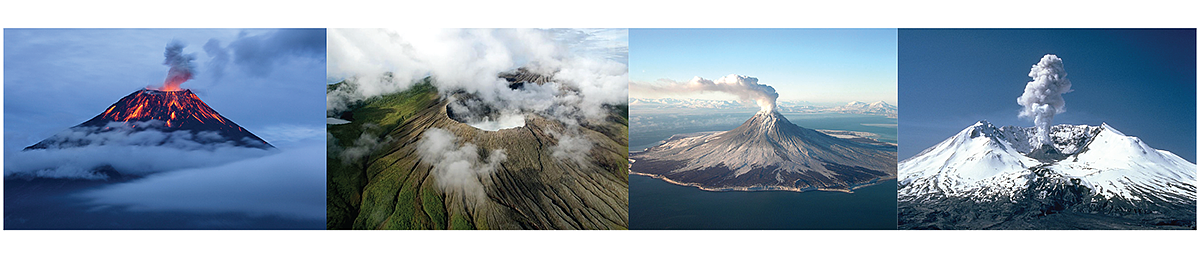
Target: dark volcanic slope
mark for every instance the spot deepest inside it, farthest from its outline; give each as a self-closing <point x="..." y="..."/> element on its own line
<point x="768" y="152"/>
<point x="164" y="111"/>
<point x="392" y="188"/>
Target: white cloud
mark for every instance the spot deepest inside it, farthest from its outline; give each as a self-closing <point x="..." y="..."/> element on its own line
<point x="289" y="183"/>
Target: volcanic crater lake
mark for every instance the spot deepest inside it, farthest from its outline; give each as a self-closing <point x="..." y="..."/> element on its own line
<point x="657" y="204"/>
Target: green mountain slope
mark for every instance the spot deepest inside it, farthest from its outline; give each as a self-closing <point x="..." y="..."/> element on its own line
<point x="391" y="187"/>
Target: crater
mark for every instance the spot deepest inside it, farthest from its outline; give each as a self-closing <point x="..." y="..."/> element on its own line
<point x="469" y="109"/>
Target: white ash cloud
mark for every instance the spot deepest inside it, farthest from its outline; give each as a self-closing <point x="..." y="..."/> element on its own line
<point x="457" y="168"/>
<point x="746" y="88"/>
<point x="1043" y="95"/>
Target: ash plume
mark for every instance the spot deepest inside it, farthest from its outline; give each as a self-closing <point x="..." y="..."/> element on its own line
<point x="1043" y="96"/>
<point x="746" y="88"/>
<point x="180" y="63"/>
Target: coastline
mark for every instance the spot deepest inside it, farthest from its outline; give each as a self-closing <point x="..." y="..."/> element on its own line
<point x="763" y="188"/>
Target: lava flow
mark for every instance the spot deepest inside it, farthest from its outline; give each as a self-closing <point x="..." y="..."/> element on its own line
<point x="175" y="108"/>
<point x="165" y="111"/>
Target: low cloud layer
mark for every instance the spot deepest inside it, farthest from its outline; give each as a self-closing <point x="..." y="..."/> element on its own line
<point x="77" y="152"/>
<point x="290" y="183"/>
<point x="571" y="147"/>
<point x="368" y="141"/>
<point x="457" y="168"/>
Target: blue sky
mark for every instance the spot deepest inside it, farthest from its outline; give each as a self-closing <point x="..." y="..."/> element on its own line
<point x="1141" y="82"/>
<point x="819" y="65"/>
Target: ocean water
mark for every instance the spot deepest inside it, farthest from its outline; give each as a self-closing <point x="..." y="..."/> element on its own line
<point x="656" y="204"/>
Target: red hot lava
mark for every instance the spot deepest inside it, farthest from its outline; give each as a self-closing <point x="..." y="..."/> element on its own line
<point x="175" y="108"/>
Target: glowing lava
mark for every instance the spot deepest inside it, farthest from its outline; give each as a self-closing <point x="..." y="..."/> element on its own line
<point x="174" y="79"/>
<point x="175" y="108"/>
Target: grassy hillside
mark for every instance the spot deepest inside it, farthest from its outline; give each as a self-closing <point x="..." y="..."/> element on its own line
<point x="392" y="188"/>
<point x="375" y="116"/>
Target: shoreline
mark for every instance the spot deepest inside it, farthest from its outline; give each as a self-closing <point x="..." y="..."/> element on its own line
<point x="767" y="188"/>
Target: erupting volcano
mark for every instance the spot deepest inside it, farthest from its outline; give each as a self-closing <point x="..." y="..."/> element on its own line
<point x="768" y="152"/>
<point x="179" y="113"/>
<point x="181" y="118"/>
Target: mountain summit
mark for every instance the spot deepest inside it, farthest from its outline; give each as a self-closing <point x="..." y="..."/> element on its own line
<point x="768" y="152"/>
<point x="989" y="177"/>
<point x="180" y="116"/>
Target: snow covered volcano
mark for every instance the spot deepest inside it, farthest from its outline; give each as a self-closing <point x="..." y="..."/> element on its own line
<point x="988" y="177"/>
<point x="768" y="152"/>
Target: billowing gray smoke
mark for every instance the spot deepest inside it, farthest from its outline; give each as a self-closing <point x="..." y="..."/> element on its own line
<point x="744" y="87"/>
<point x="1043" y="96"/>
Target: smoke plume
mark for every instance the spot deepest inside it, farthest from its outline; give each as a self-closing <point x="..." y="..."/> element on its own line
<point x="181" y="66"/>
<point x="746" y="88"/>
<point x="1043" y="96"/>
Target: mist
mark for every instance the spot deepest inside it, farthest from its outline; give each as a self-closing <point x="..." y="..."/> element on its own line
<point x="135" y="153"/>
<point x="288" y="183"/>
<point x="457" y="168"/>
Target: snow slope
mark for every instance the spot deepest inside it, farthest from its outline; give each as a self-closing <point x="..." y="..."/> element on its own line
<point x="1097" y="168"/>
